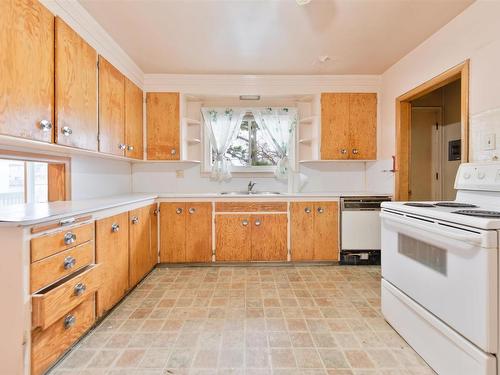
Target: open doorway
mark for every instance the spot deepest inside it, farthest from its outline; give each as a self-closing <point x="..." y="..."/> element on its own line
<point x="432" y="136"/>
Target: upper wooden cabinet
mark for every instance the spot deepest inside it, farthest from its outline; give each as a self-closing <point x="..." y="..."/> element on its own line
<point x="75" y="89"/>
<point x="314" y="230"/>
<point x="185" y="232"/>
<point x="133" y="120"/>
<point x="27" y="73"/>
<point x="348" y="126"/>
<point x="111" y="109"/>
<point x="163" y="124"/>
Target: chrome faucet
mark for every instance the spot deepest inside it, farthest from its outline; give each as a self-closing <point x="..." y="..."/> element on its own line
<point x="250" y="187"/>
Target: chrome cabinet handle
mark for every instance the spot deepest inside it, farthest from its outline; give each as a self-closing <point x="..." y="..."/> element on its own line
<point x="321" y="210"/>
<point x="343" y="151"/>
<point x="130" y="148"/>
<point x="244" y="223"/>
<point x="173" y="151"/>
<point x="69" y="238"/>
<point x="45" y="125"/>
<point x="178" y="211"/>
<point x="192" y="210"/>
<point x="307" y="210"/>
<point x="69" y="262"/>
<point x="155" y="212"/>
<point x="122" y="146"/>
<point x="135" y="220"/>
<point x="355" y="151"/>
<point x="258" y="223"/>
<point x="69" y="321"/>
<point x="115" y="227"/>
<point x="79" y="289"/>
<point x="67" y="131"/>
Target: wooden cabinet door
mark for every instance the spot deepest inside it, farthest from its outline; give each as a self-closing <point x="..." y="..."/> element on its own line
<point x="233" y="238"/>
<point x="111" y="109"/>
<point x="153" y="252"/>
<point x="302" y="230"/>
<point x="112" y="254"/>
<point x="27" y="72"/>
<point x="198" y="232"/>
<point x="163" y="124"/>
<point x="326" y="231"/>
<point x="334" y="126"/>
<point x="76" y="89"/>
<point x="172" y="232"/>
<point x="269" y="237"/>
<point x="133" y="120"/>
<point x="363" y="126"/>
<point x="139" y="244"/>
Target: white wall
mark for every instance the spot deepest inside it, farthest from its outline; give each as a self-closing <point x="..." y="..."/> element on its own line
<point x="474" y="35"/>
<point x="93" y="177"/>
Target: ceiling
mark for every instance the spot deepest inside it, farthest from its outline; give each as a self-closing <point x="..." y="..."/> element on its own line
<point x="270" y="36"/>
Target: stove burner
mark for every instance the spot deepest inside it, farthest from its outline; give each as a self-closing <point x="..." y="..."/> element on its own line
<point x="479" y="213"/>
<point x="418" y="204"/>
<point x="455" y="204"/>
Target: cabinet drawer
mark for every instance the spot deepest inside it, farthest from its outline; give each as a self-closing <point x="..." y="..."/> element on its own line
<point x="49" y="344"/>
<point x="44" y="246"/>
<point x="55" y="267"/>
<point x="251" y="207"/>
<point x="50" y="304"/>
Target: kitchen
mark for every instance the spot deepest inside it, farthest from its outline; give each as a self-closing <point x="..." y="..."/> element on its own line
<point x="180" y="214"/>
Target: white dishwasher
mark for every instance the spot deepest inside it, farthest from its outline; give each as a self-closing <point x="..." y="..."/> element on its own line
<point x="360" y="229"/>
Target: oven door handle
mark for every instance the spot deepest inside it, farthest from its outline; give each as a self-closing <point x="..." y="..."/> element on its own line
<point x="407" y="225"/>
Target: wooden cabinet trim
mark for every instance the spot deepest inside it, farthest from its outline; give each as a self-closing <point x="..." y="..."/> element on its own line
<point x="251" y="206"/>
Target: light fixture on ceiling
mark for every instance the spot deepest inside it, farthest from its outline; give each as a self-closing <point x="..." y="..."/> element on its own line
<point x="302" y="2"/>
<point x="323" y="59"/>
<point x="249" y="97"/>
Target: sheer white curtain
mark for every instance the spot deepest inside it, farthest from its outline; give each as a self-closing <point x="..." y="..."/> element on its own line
<point x="223" y="125"/>
<point x="279" y="126"/>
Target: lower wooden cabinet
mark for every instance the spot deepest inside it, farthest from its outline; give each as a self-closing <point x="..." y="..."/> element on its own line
<point x="314" y="231"/>
<point x="141" y="256"/>
<point x="185" y="232"/>
<point x="48" y="345"/>
<point x="251" y="237"/>
<point x="112" y="253"/>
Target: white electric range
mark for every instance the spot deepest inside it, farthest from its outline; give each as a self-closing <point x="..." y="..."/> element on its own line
<point x="440" y="273"/>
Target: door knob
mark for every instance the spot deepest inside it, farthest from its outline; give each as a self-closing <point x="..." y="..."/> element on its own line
<point x="343" y="151"/>
<point x="69" y="262"/>
<point x="244" y="223"/>
<point x="173" y="151"/>
<point x="67" y="131"/>
<point x="135" y="220"/>
<point x="79" y="289"/>
<point x="122" y="146"/>
<point x="115" y="227"/>
<point x="69" y="238"/>
<point x="69" y="321"/>
<point x="258" y="223"/>
<point x="130" y="148"/>
<point x="192" y="210"/>
<point x="320" y="210"/>
<point x="355" y="151"/>
<point x="178" y="210"/>
<point x="307" y="210"/>
<point x="45" y="125"/>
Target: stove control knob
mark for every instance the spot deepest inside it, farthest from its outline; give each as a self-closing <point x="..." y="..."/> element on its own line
<point x="481" y="175"/>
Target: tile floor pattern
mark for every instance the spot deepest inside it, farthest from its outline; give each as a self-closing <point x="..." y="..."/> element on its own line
<point x="248" y="320"/>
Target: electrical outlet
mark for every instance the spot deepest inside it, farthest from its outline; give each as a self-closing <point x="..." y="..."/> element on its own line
<point x="489" y="142"/>
<point x="179" y="173"/>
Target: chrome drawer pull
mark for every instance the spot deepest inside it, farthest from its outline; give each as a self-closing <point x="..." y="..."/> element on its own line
<point x="68" y="221"/>
<point x="69" y="321"/>
<point x="80" y="288"/>
<point x="115" y="227"/>
<point x="69" y="238"/>
<point x="307" y="210"/>
<point x="130" y="148"/>
<point x="355" y="151"/>
<point x="343" y="151"/>
<point x="244" y="223"/>
<point x="173" y="151"/>
<point x="320" y="210"/>
<point x="178" y="211"/>
<point x="192" y="210"/>
<point x="67" y="131"/>
<point x="122" y="146"/>
<point x="69" y="262"/>
<point x="257" y="223"/>
<point x="135" y="220"/>
<point x="45" y="125"/>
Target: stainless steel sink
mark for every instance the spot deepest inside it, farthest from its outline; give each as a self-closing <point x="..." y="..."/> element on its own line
<point x="250" y="193"/>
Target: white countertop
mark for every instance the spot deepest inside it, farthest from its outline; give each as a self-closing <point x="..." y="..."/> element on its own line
<point x="30" y="214"/>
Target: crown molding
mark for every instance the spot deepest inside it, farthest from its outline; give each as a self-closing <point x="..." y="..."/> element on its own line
<point x="220" y="84"/>
<point x="75" y="15"/>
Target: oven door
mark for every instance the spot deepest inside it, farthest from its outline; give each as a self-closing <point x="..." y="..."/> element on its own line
<point x="449" y="270"/>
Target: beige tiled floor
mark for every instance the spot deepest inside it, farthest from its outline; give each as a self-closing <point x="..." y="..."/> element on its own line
<point x="248" y="320"/>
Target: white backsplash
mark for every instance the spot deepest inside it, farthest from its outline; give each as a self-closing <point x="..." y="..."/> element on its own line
<point x="481" y="126"/>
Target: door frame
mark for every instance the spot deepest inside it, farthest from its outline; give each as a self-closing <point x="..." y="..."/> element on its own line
<point x="403" y="122"/>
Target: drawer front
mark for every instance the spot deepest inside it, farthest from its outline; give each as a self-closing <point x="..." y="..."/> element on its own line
<point x="44" y="246"/>
<point x="50" y="269"/>
<point x="49" y="344"/>
<point x="251" y="207"/>
<point x="52" y="303"/>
